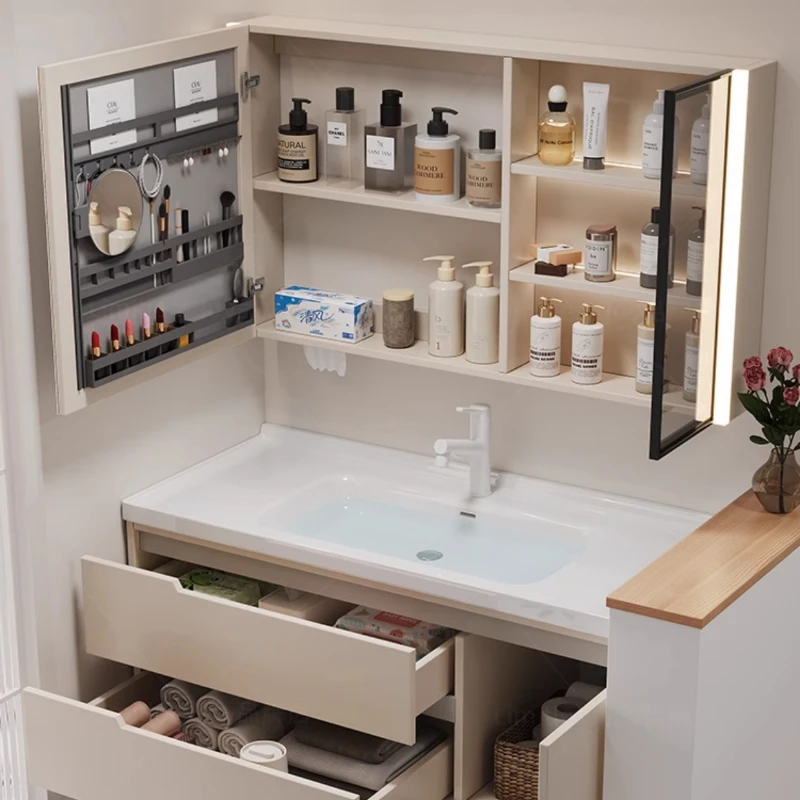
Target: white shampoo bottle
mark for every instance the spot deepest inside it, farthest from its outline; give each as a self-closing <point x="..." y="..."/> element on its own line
<point x="483" y="316"/>
<point x="587" y="347"/>
<point x="546" y="340"/>
<point x="653" y="140"/>
<point x="445" y="311"/>
<point x="437" y="161"/>
<point x="698" y="164"/>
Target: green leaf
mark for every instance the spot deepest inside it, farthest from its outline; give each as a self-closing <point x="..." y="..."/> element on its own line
<point x="773" y="436"/>
<point x="757" y="407"/>
<point x="758" y="440"/>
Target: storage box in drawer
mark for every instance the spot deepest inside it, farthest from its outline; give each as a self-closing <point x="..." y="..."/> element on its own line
<point x="86" y="751"/>
<point x="147" y="620"/>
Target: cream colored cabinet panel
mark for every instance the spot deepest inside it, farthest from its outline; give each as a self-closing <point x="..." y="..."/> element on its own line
<point x="149" y="621"/>
<point x="85" y="751"/>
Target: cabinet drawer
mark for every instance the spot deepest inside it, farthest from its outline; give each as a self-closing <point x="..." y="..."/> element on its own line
<point x="149" y="621"/>
<point x="85" y="751"/>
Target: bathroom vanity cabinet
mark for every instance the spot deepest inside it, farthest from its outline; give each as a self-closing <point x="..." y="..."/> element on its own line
<point x="343" y="238"/>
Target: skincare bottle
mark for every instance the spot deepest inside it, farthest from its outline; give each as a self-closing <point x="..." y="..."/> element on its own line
<point x="484" y="171"/>
<point x="97" y="230"/>
<point x="483" y="316"/>
<point x="595" y="124"/>
<point x="694" y="256"/>
<point x="389" y="147"/>
<point x="445" y="311"/>
<point x="297" y="146"/>
<point x="437" y="161"/>
<point x="648" y="263"/>
<point x="546" y="340"/>
<point x="600" y="253"/>
<point x="344" y="133"/>
<point x="698" y="164"/>
<point x="122" y="238"/>
<point x="645" y="344"/>
<point x="556" y="130"/>
<point x="653" y="139"/>
<point x="691" y="358"/>
<point x="587" y="347"/>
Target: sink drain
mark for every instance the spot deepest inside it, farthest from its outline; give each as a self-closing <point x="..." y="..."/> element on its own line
<point x="429" y="555"/>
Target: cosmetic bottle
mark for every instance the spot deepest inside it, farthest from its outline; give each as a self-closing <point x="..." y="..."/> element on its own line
<point x="389" y="147"/>
<point x="180" y="322"/>
<point x="546" y="340"/>
<point x="445" y="311"/>
<point x="595" y="124"/>
<point x="587" y="347"/>
<point x="645" y="350"/>
<point x="297" y="146"/>
<point x="648" y="262"/>
<point x="484" y="173"/>
<point x="122" y="238"/>
<point x="344" y="132"/>
<point x="483" y="316"/>
<point x="97" y="230"/>
<point x="698" y="165"/>
<point x="556" y="130"/>
<point x="694" y="256"/>
<point x="653" y="139"/>
<point x="399" y="320"/>
<point x="691" y="358"/>
<point x="437" y="161"/>
<point x="600" y="253"/>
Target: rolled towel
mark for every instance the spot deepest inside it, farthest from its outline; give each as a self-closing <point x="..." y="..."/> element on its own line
<point x="199" y="733"/>
<point x="181" y="697"/>
<point x="220" y="710"/>
<point x="156" y="710"/>
<point x="265" y="723"/>
<point x="136" y="714"/>
<point x="345" y="742"/>
<point x="166" y="724"/>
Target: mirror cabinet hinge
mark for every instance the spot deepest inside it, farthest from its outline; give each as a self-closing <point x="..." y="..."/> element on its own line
<point x="256" y="285"/>
<point x="249" y="82"/>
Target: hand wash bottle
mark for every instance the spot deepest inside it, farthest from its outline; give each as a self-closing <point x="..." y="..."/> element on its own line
<point x="437" y="161"/>
<point x="483" y="316"/>
<point x="445" y="311"/>
<point x="389" y="147"/>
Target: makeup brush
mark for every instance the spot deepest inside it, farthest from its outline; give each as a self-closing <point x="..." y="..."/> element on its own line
<point x="167" y="195"/>
<point x="162" y="233"/>
<point x="227" y="199"/>
<point x="187" y="247"/>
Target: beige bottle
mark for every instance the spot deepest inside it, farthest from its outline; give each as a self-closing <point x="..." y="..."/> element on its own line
<point x="691" y="358"/>
<point x="587" y="347"/>
<point x="556" y="130"/>
<point x="483" y="316"/>
<point x="645" y="350"/>
<point x="445" y="311"/>
<point x="122" y="238"/>
<point x="97" y="230"/>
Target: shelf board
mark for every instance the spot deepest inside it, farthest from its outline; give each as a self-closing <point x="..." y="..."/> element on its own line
<point x="626" y="285"/>
<point x="344" y="192"/>
<point x="619" y="175"/>
<point x="616" y="388"/>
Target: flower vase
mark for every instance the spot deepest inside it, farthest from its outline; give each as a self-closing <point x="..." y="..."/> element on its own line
<point x="776" y="483"/>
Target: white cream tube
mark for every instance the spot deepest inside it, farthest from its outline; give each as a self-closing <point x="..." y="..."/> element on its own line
<point x="595" y="124"/>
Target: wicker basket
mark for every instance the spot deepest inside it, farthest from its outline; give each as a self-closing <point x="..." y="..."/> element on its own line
<point x="516" y="769"/>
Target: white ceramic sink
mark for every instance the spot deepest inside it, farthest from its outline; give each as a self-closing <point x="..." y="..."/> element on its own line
<point x="541" y="552"/>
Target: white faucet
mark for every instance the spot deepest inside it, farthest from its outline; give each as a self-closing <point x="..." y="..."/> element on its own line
<point x="476" y="450"/>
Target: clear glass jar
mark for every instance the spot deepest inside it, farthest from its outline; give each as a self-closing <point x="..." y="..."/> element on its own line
<point x="776" y="483"/>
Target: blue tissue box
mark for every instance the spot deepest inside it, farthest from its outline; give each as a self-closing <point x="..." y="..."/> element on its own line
<point x="326" y="315"/>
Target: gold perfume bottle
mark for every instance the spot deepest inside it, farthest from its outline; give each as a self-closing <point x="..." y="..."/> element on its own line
<point x="556" y="130"/>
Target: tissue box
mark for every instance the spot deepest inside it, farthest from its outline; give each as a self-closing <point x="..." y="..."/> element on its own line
<point x="327" y="315"/>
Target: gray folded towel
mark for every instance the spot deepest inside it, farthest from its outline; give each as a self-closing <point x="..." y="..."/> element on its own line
<point x="265" y="723"/>
<point x="199" y="733"/>
<point x="181" y="697"/>
<point x="220" y="710"/>
<point x="360" y="791"/>
<point x="349" y="770"/>
<point x="344" y="742"/>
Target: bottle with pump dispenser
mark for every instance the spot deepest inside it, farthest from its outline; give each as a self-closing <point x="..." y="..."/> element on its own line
<point x="484" y="171"/>
<point x="691" y="358"/>
<point x="648" y="261"/>
<point x="556" y="130"/>
<point x="587" y="347"/>
<point x="97" y="230"/>
<point x="344" y="135"/>
<point x="546" y="340"/>
<point x="437" y="161"/>
<point x="389" y="147"/>
<point x="445" y="311"/>
<point x="297" y="146"/>
<point x="645" y="348"/>
<point x="122" y="238"/>
<point x="695" y="255"/>
<point x="698" y="164"/>
<point x="483" y="316"/>
<point x="653" y="140"/>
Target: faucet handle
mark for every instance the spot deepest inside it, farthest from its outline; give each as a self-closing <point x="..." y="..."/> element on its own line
<point x="475" y="408"/>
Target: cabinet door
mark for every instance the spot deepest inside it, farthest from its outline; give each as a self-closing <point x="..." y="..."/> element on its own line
<point x="711" y="251"/>
<point x="85" y="155"/>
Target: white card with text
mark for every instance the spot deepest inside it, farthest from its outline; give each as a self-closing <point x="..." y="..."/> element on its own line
<point x="195" y="84"/>
<point x="109" y="104"/>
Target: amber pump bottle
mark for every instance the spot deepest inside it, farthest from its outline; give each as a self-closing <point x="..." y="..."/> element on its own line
<point x="297" y="146"/>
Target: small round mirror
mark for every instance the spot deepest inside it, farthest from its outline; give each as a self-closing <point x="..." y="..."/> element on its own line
<point x="115" y="211"/>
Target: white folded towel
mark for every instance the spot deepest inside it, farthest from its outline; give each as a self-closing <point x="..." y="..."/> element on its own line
<point x="181" y="697"/>
<point x="265" y="723"/>
<point x="220" y="710"/>
<point x="197" y="732"/>
<point x="156" y="710"/>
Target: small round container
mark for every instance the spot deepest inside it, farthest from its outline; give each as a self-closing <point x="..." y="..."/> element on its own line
<point x="267" y="754"/>
<point x="398" y="318"/>
<point x="600" y="253"/>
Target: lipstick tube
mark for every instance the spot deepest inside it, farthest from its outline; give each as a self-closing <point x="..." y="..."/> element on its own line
<point x="116" y="346"/>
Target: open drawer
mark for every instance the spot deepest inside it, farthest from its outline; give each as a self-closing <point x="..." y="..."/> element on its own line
<point x="148" y="620"/>
<point x="86" y="751"/>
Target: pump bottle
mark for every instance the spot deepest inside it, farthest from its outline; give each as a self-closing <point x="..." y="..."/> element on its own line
<point x="483" y="316"/>
<point x="691" y="358"/>
<point x="587" y="347"/>
<point x="389" y="147"/>
<point x="698" y="164"/>
<point x="546" y="340"/>
<point x="653" y="141"/>
<point x="445" y="311"/>
<point x="297" y="146"/>
<point x="694" y="257"/>
<point x="437" y="161"/>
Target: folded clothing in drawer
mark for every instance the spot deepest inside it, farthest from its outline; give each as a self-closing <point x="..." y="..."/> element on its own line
<point x="345" y="742"/>
<point x="424" y="637"/>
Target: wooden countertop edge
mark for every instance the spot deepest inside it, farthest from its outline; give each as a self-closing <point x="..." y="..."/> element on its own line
<point x="695" y="581"/>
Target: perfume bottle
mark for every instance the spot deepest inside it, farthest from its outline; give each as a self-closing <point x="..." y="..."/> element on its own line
<point x="556" y="130"/>
<point x="344" y="132"/>
<point x="389" y="147"/>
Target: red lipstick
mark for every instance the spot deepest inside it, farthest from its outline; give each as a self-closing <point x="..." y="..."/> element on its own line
<point x="95" y="344"/>
<point x="114" y="337"/>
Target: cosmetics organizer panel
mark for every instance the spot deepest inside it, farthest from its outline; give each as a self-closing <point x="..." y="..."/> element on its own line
<point x="156" y="242"/>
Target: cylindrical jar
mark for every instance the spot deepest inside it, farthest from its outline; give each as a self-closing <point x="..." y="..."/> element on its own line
<point x="398" y="318"/>
<point x="600" y="253"/>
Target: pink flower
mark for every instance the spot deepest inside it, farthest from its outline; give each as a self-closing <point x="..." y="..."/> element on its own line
<point x="755" y="378"/>
<point x="791" y="395"/>
<point x="796" y="372"/>
<point x="753" y="361"/>
<point x="780" y="358"/>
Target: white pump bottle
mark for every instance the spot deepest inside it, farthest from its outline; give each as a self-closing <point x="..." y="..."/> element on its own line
<point x="445" y="311"/>
<point x="483" y="316"/>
